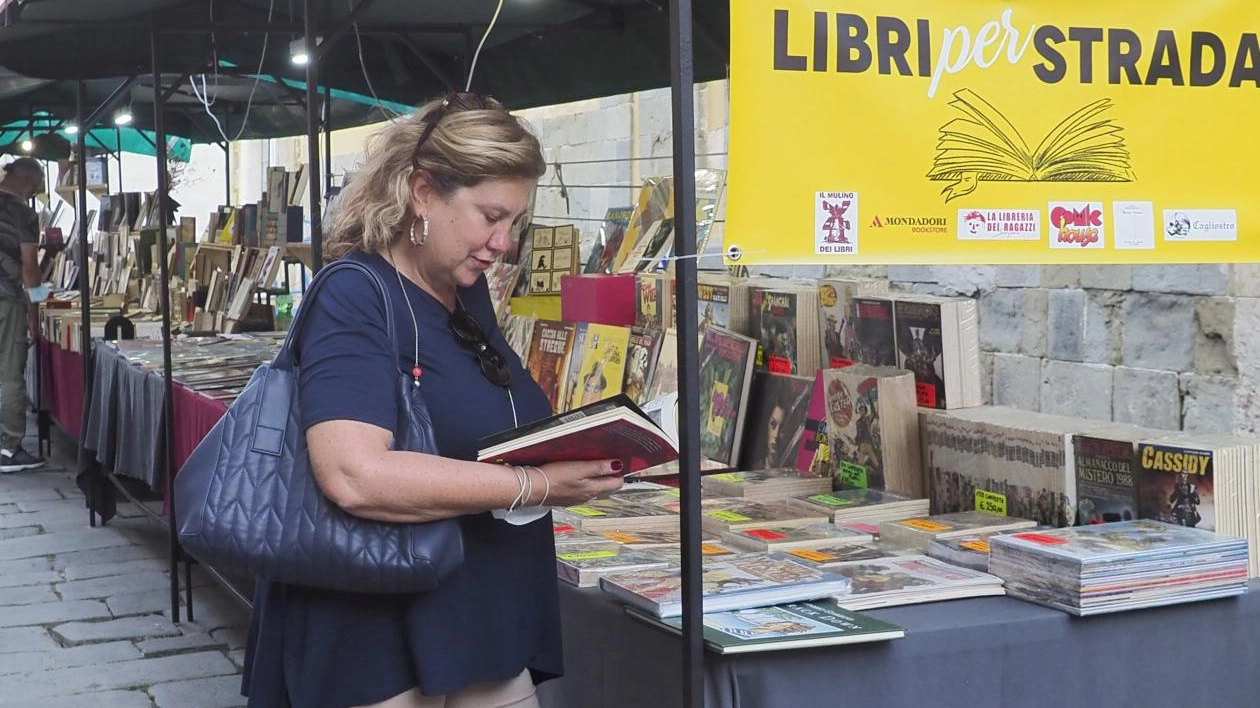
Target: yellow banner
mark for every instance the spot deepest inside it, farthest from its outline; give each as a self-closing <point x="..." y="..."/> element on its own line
<point x="972" y="131"/>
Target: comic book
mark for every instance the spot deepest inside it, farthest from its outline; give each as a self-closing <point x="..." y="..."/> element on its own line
<point x="837" y="315"/>
<point x="907" y="580"/>
<point x="726" y="364"/>
<point x="872" y="429"/>
<point x="584" y="565"/>
<point x="777" y="410"/>
<point x="643" y="351"/>
<point x="549" y="356"/>
<point x="814" y="453"/>
<point x="730" y="583"/>
<point x="773" y="537"/>
<point x="603" y="364"/>
<point x="1175" y="484"/>
<point x="518" y="330"/>
<point x="875" y="333"/>
<point x="611" y="235"/>
<point x="665" y="377"/>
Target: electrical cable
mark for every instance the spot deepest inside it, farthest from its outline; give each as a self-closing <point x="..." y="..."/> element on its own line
<point x="472" y="67"/>
<point x="389" y="113"/>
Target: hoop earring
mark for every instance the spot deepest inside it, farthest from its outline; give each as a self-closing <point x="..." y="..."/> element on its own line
<point x="424" y="231"/>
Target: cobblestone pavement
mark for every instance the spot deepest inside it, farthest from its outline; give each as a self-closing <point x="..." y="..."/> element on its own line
<point x="85" y="612"/>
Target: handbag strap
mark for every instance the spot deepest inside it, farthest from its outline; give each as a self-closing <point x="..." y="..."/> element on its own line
<point x="273" y="410"/>
<point x="287" y="357"/>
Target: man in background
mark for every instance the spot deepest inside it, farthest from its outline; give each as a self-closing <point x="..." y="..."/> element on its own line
<point x="19" y="275"/>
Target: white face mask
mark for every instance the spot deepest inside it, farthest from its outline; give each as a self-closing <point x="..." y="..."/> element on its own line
<point x="39" y="293"/>
<point x="520" y="517"/>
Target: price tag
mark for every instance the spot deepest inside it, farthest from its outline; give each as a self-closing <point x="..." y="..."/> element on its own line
<point x="853" y="475"/>
<point x="710" y="549"/>
<point x="779" y="365"/>
<point x="981" y="546"/>
<point x="585" y="511"/>
<point x="925" y="525"/>
<point x="729" y="516"/>
<point x="586" y="555"/>
<point x="990" y="502"/>
<point x="1041" y="538"/>
<point x="564" y="528"/>
<point x="816" y="556"/>
<point x="728" y="477"/>
<point x="831" y="500"/>
<point x="925" y="394"/>
<point x="766" y="534"/>
<point x="621" y="537"/>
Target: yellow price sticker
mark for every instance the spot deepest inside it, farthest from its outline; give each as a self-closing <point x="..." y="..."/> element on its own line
<point x="587" y="555"/>
<point x="981" y="546"/>
<point x="813" y="555"/>
<point x="710" y="549"/>
<point x="830" y="500"/>
<point x="620" y="537"/>
<point x="925" y="525"/>
<point x="729" y="515"/>
<point x="990" y="502"/>
<point x="585" y="511"/>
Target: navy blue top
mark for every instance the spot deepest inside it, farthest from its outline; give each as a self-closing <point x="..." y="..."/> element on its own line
<point x="499" y="612"/>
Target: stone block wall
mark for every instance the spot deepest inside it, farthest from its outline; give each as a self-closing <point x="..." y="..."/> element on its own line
<point x="1173" y="347"/>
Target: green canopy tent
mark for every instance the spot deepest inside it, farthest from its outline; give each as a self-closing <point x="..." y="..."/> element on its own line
<point x="111" y="140"/>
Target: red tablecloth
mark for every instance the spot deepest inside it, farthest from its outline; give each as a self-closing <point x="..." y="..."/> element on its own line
<point x="194" y="416"/>
<point x="63" y="386"/>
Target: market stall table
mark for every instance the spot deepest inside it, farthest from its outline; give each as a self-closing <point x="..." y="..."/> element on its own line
<point x="994" y="652"/>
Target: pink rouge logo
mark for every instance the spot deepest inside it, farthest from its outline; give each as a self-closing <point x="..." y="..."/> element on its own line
<point x="974" y="222"/>
<point x="1077" y="225"/>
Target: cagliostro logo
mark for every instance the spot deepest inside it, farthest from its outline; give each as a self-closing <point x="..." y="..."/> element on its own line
<point x="850" y="43"/>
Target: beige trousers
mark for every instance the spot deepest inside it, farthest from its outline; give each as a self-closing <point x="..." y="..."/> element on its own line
<point x="513" y="693"/>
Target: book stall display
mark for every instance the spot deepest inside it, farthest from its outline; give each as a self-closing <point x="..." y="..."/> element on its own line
<point x="811" y="465"/>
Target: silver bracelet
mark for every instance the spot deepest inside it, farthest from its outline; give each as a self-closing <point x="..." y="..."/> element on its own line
<point x="546" y="489"/>
<point x="521" y="476"/>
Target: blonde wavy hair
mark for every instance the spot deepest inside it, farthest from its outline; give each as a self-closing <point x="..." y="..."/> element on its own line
<point x="465" y="148"/>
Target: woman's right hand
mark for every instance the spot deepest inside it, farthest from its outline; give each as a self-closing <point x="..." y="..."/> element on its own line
<point x="574" y="483"/>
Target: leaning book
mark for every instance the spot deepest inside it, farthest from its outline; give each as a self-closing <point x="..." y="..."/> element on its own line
<point x="614" y="428"/>
<point x="730" y="583"/>
<point x="797" y="625"/>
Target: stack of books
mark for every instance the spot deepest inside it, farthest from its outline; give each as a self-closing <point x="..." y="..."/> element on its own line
<point x="584" y="564"/>
<point x="920" y="531"/>
<point x="764" y="485"/>
<point x="909" y="580"/>
<point x="730" y="583"/>
<point x="610" y="515"/>
<point x="784" y="538"/>
<point x="862" y="506"/>
<point x="1123" y="565"/>
<point x="972" y="550"/>
<point x="723" y="515"/>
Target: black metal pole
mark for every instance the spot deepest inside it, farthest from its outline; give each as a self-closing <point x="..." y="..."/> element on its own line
<point x="167" y="462"/>
<point x="312" y="135"/>
<point x="227" y="173"/>
<point x="683" y="101"/>
<point x="85" y="297"/>
<point x="119" y="154"/>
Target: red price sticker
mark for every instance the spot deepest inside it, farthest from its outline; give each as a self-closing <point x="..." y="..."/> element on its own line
<point x="779" y="365"/>
<point x="1041" y="538"/>
<point x="926" y="395"/>
<point x="767" y="534"/>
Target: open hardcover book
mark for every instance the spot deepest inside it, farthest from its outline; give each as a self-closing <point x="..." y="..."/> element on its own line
<point x="614" y="428"/>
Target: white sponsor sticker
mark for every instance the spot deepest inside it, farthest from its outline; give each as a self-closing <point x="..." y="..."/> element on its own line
<point x="1133" y="225"/>
<point x="999" y="225"/>
<point x="836" y="223"/>
<point x="1200" y="225"/>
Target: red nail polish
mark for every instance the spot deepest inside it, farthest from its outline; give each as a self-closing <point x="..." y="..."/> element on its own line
<point x="618" y="465"/>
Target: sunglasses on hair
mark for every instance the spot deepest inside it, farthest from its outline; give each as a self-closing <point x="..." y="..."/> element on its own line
<point x="454" y="102"/>
<point x="468" y="333"/>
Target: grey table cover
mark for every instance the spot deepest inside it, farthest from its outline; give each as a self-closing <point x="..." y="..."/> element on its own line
<point x="122" y="426"/>
<point x="980" y="653"/>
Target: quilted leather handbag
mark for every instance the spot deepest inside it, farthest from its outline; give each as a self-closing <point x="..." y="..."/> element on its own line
<point x="246" y="500"/>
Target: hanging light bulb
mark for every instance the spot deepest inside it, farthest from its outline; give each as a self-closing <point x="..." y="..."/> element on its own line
<point x="71" y="129"/>
<point x="123" y="116"/>
<point x="297" y="52"/>
<point x="27" y="145"/>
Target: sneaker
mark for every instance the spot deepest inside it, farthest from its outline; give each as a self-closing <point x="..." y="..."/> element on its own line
<point x="17" y="459"/>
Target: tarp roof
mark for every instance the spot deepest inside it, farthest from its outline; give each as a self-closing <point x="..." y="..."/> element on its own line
<point x="541" y="52"/>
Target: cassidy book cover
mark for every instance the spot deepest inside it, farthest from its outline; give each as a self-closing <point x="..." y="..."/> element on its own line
<point x="1175" y="484"/>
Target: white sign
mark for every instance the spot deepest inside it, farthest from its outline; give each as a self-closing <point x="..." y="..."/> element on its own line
<point x="836" y="222"/>
<point x="1200" y="225"/>
<point x="1077" y="225"/>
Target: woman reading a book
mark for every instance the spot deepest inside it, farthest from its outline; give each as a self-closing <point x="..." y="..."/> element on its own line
<point x="433" y="206"/>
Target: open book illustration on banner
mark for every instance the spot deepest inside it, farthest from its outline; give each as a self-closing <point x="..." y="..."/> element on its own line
<point x="986" y="147"/>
